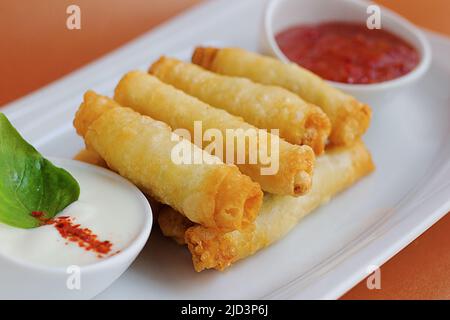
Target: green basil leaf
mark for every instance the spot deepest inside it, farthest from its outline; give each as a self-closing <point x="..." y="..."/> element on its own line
<point x="30" y="183"/>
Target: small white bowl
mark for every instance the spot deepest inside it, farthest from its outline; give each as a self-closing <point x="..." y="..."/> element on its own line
<point x="20" y="279"/>
<point x="281" y="14"/>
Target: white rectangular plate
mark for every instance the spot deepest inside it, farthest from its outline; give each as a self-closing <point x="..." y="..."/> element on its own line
<point x="330" y="250"/>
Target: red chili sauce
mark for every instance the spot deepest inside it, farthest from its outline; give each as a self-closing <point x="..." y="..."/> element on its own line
<point x="348" y="52"/>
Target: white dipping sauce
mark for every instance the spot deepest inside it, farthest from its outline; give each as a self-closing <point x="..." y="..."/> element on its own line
<point x="107" y="206"/>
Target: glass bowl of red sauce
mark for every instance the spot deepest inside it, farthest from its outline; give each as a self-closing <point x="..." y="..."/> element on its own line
<point x="332" y="39"/>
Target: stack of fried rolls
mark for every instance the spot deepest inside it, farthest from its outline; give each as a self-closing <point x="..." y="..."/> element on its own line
<point x="139" y="148"/>
<point x="349" y="117"/>
<point x="217" y="208"/>
<point x="263" y="106"/>
<point x="149" y="96"/>
<point x="336" y="170"/>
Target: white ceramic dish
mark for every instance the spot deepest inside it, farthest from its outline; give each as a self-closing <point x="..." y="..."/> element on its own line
<point x="281" y="14"/>
<point x="22" y="279"/>
<point x="331" y="249"/>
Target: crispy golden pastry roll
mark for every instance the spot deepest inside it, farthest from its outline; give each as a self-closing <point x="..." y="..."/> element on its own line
<point x="335" y="170"/>
<point x="263" y="106"/>
<point x="173" y="224"/>
<point x="289" y="172"/>
<point x="349" y="117"/>
<point x="139" y="148"/>
<point x="91" y="157"/>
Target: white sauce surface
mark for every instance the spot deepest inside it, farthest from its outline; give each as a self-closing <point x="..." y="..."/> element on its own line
<point x="109" y="208"/>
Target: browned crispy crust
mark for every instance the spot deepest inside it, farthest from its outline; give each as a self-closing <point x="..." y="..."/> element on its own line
<point x="352" y="121"/>
<point x="238" y="201"/>
<point x="317" y="131"/>
<point x="210" y="249"/>
<point x="204" y="56"/>
<point x="92" y="107"/>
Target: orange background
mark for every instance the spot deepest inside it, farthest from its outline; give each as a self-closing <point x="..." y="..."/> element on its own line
<point x="36" y="48"/>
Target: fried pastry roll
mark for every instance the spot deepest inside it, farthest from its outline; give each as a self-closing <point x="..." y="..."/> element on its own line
<point x="349" y="117"/>
<point x="263" y="106"/>
<point x="91" y="157"/>
<point x="139" y="148"/>
<point x="336" y="170"/>
<point x="173" y="224"/>
<point x="290" y="169"/>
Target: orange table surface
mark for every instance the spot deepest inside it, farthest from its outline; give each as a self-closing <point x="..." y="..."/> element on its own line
<point x="37" y="48"/>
